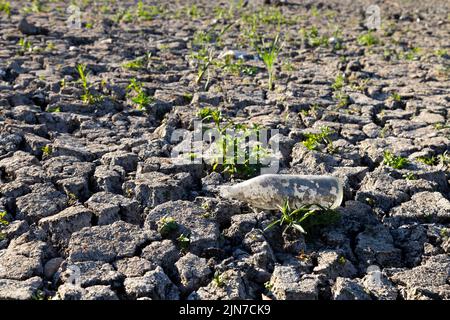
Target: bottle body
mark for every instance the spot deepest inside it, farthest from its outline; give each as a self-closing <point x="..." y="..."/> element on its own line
<point x="270" y="191"/>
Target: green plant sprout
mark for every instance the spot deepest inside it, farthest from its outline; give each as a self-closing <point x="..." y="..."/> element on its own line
<point x="72" y="199"/>
<point x="54" y="109"/>
<point x="36" y="7"/>
<point x="393" y="161"/>
<point x="87" y="97"/>
<point x="338" y="83"/>
<point x="3" y="221"/>
<point x="311" y="111"/>
<point x="25" y="45"/>
<point x="430" y="161"/>
<point x="314" y="141"/>
<point x="409" y="176"/>
<point x="412" y="54"/>
<point x="183" y="241"/>
<point x="138" y="95"/>
<point x="218" y="280"/>
<point x="269" y="55"/>
<point x="5" y="7"/>
<point x="205" y="55"/>
<point x="306" y="216"/>
<point x="441" y="53"/>
<point x="236" y="67"/>
<point x="146" y="12"/>
<point x="47" y="150"/>
<point x="395" y="96"/>
<point x="228" y="13"/>
<point x="343" y="99"/>
<point x="211" y="114"/>
<point x="193" y="11"/>
<point x="312" y="38"/>
<point x="368" y="39"/>
<point x="234" y="144"/>
<point x="166" y="225"/>
<point x="205" y="60"/>
<point x="136" y="64"/>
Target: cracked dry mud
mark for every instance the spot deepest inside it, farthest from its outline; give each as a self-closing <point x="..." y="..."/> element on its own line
<point x="85" y="186"/>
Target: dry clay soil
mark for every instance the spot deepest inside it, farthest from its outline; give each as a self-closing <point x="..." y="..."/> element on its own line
<point x="93" y="207"/>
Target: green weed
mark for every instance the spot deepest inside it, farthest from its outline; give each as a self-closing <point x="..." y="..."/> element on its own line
<point x="87" y="97"/>
<point x="338" y="83"/>
<point x="305" y="217"/>
<point x="218" y="280"/>
<point x="136" y="64"/>
<point x="269" y="54"/>
<point x="47" y="150"/>
<point x="146" y="12"/>
<point x="241" y="161"/>
<point x="183" y="242"/>
<point x="3" y="221"/>
<point x="315" y="141"/>
<point x="138" y="95"/>
<point x="393" y="161"/>
<point x="25" y="45"/>
<point x="166" y="225"/>
<point x="368" y="39"/>
<point x="5" y="7"/>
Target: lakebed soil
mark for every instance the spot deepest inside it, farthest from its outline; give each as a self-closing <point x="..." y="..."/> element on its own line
<point x="93" y="207"/>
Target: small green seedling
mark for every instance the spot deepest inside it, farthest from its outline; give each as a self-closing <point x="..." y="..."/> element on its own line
<point x="3" y="221"/>
<point x="442" y="126"/>
<point x="343" y="99"/>
<point x="312" y="214"/>
<point x="166" y="225"/>
<point x="233" y="156"/>
<point x="441" y="53"/>
<point x="393" y="161"/>
<point x="218" y="280"/>
<point x="214" y="115"/>
<point x="147" y="13"/>
<point x="72" y="199"/>
<point x="25" y="45"/>
<point x="237" y="67"/>
<point x="38" y="295"/>
<point x="47" y="150"/>
<point x="430" y="160"/>
<point x="268" y="285"/>
<point x="313" y="141"/>
<point x="395" y="96"/>
<point x="138" y="95"/>
<point x="136" y="64"/>
<point x="183" y="241"/>
<point x="54" y="109"/>
<point x="412" y="54"/>
<point x="312" y="37"/>
<point x="50" y="46"/>
<point x="87" y="97"/>
<point x="37" y="6"/>
<point x="339" y="82"/>
<point x="193" y="11"/>
<point x="409" y="176"/>
<point x="205" y="60"/>
<point x="269" y="55"/>
<point x="368" y="39"/>
<point x="5" y="7"/>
